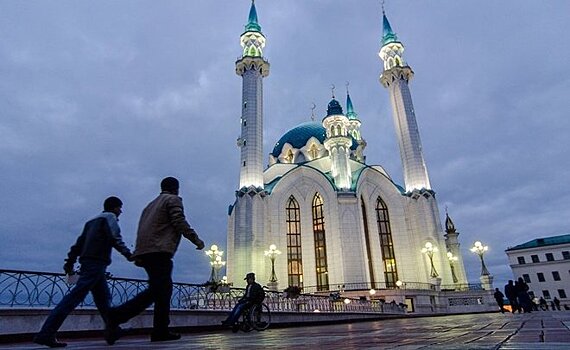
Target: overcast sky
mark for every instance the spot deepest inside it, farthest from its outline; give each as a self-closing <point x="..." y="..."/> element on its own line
<point x="102" y="98"/>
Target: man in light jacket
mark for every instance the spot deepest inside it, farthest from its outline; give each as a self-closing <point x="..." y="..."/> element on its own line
<point x="161" y="227"/>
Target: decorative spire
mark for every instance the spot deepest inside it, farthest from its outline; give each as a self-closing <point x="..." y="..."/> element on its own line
<point x="388" y="34"/>
<point x="313" y="111"/>
<point x="350" y="113"/>
<point x="449" y="225"/>
<point x="334" y="108"/>
<point x="252" y="25"/>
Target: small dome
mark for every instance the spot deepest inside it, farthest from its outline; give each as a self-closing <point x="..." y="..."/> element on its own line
<point x="334" y="108"/>
<point x="299" y="135"/>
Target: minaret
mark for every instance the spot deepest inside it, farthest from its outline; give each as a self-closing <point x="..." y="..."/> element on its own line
<point x="338" y="144"/>
<point x="395" y="78"/>
<point x="252" y="67"/>
<point x="452" y="244"/>
<point x="354" y="128"/>
<point x="246" y="225"/>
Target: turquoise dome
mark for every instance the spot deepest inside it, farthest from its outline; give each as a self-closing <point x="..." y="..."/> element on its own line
<point x="299" y="135"/>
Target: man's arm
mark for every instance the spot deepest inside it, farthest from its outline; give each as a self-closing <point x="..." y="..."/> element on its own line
<point x="74" y="252"/>
<point x="116" y="239"/>
<point x="178" y="220"/>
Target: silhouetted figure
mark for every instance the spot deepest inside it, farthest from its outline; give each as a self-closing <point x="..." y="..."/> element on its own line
<point x="254" y="294"/>
<point x="499" y="297"/>
<point x="161" y="227"/>
<point x="556" y="304"/>
<point x="524" y="301"/>
<point x="543" y="304"/>
<point x="93" y="247"/>
<point x="511" y="294"/>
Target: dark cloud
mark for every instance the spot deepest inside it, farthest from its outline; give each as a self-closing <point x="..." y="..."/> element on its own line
<point x="109" y="97"/>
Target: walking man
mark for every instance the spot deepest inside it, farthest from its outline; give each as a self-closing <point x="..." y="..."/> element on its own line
<point x="93" y="247"/>
<point x="499" y="297"/>
<point x="161" y="226"/>
<point x="511" y="294"/>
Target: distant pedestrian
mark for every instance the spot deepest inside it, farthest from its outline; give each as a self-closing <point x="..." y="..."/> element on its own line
<point x="521" y="289"/>
<point x="500" y="298"/>
<point x="556" y="303"/>
<point x="543" y="304"/>
<point x="93" y="247"/>
<point x="511" y="294"/>
<point x="161" y="227"/>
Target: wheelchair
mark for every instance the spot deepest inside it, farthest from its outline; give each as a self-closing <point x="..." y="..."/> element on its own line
<point x="256" y="317"/>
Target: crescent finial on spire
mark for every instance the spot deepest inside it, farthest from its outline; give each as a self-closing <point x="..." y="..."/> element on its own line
<point x="332" y="90"/>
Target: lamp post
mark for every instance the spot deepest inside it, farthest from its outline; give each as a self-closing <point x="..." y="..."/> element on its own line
<point x="272" y="254"/>
<point x="452" y="259"/>
<point x="429" y="249"/>
<point x="216" y="262"/>
<point x="480" y="249"/>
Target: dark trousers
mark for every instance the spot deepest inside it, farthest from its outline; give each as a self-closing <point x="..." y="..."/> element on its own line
<point x="237" y="311"/>
<point x="158" y="266"/>
<point x="91" y="279"/>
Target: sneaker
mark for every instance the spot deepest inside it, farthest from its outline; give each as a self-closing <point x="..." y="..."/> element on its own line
<point x="165" y="337"/>
<point x="51" y="342"/>
<point x="112" y="333"/>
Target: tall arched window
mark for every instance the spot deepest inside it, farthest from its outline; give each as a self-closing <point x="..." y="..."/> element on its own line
<point x="367" y="241"/>
<point x="294" y="258"/>
<point x="320" y="243"/>
<point x="386" y="245"/>
<point x="313" y="151"/>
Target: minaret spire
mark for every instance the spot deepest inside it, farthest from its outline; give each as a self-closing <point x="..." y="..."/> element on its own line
<point x="252" y="67"/>
<point x="395" y="78"/>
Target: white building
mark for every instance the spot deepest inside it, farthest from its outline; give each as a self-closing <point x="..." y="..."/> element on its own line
<point x="544" y="263"/>
<point x="338" y="220"/>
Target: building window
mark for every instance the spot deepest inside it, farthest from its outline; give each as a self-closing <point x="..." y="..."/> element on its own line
<point x="562" y="293"/>
<point x="313" y="151"/>
<point x="367" y="241"/>
<point x="556" y="275"/>
<point x="546" y="294"/>
<point x="549" y="257"/>
<point x="386" y="245"/>
<point x="526" y="278"/>
<point x="534" y="258"/>
<point x="320" y="244"/>
<point x="521" y="260"/>
<point x="294" y="258"/>
<point x="540" y="276"/>
<point x="566" y="255"/>
<point x="289" y="156"/>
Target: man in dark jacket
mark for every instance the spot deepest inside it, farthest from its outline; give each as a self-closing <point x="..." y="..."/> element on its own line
<point x="499" y="297"/>
<point x="93" y="247"/>
<point x="511" y="294"/>
<point x="254" y="294"/>
<point x="161" y="227"/>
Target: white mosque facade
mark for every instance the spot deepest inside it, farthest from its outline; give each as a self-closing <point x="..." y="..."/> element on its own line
<point x="337" y="220"/>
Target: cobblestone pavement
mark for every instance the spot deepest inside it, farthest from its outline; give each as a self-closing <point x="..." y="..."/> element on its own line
<point x="539" y="330"/>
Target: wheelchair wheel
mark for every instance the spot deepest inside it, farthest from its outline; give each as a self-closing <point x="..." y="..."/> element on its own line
<point x="260" y="317"/>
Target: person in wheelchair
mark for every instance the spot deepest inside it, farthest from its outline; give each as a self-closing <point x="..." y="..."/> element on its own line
<point x="254" y="295"/>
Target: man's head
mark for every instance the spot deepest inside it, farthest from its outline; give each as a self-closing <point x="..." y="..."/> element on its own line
<point x="250" y="278"/>
<point x="170" y="184"/>
<point x="114" y="205"/>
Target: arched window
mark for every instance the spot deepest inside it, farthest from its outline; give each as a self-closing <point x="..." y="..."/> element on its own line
<point x="367" y="241"/>
<point x="294" y="258"/>
<point x="386" y="245"/>
<point x="289" y="156"/>
<point x="313" y="151"/>
<point x="398" y="61"/>
<point x="320" y="244"/>
<point x="338" y="130"/>
<point x="332" y="130"/>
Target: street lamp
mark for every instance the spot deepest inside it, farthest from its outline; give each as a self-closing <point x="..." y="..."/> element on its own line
<point x="452" y="259"/>
<point x="428" y="250"/>
<point x="480" y="250"/>
<point x="216" y="262"/>
<point x="272" y="254"/>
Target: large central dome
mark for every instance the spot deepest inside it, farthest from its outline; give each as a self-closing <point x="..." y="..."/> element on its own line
<point x="299" y="135"/>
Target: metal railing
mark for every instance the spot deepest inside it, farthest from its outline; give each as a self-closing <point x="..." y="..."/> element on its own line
<point x="461" y="287"/>
<point x="365" y="286"/>
<point x="32" y="289"/>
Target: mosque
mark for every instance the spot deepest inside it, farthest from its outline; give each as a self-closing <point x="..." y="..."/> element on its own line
<point x="337" y="220"/>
